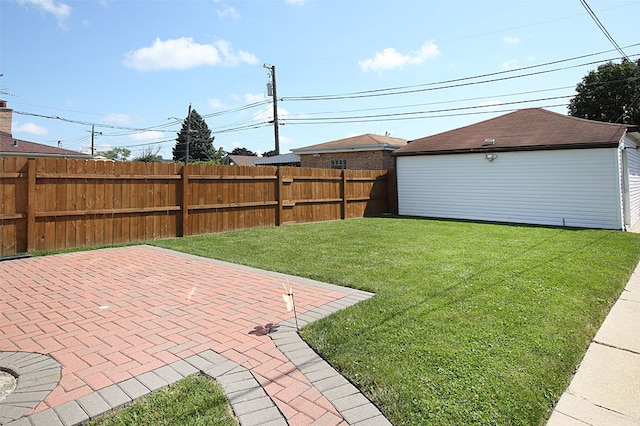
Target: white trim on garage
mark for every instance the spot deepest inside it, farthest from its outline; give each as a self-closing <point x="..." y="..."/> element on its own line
<point x="573" y="187"/>
<point x="631" y="160"/>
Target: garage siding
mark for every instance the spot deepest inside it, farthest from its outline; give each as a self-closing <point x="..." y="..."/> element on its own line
<point x="561" y="187"/>
<point x="633" y="170"/>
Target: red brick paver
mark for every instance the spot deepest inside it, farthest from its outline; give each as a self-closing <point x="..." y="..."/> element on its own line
<point x="112" y="314"/>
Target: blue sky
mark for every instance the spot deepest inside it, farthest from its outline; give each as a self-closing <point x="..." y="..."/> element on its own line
<point x="128" y="66"/>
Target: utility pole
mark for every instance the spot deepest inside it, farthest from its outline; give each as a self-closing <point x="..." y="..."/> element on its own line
<point x="186" y="156"/>
<point x="93" y="136"/>
<point x="276" y="134"/>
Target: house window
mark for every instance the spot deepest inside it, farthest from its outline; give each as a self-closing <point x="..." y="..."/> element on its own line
<point x="339" y="164"/>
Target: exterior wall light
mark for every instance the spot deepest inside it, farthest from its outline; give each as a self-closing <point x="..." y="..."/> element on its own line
<point x="491" y="157"/>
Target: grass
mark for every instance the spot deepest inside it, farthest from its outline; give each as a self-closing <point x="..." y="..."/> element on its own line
<point x="472" y="323"/>
<point x="195" y="400"/>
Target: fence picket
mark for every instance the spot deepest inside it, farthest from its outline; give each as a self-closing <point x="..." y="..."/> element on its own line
<point x="50" y="203"/>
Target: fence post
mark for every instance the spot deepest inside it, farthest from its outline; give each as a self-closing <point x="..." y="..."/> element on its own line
<point x="31" y="204"/>
<point x="343" y="194"/>
<point x="392" y="192"/>
<point x="184" y="202"/>
<point x="279" y="197"/>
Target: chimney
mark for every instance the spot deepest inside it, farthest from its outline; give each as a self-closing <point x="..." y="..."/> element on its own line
<point x="6" y="115"/>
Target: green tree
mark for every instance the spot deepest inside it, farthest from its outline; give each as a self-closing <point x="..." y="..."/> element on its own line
<point x="149" y="155"/>
<point x="117" y="154"/>
<point x="200" y="141"/>
<point x="243" y="151"/>
<point x="611" y="93"/>
<point x="271" y="153"/>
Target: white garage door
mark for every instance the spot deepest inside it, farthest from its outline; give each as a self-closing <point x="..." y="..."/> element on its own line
<point x="576" y="187"/>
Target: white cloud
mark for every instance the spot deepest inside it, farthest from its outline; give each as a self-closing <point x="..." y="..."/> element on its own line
<point x="390" y="58"/>
<point x="118" y="119"/>
<point x="60" y="11"/>
<point x="227" y="11"/>
<point x="252" y="98"/>
<point x="149" y="136"/>
<point x="183" y="53"/>
<point x="511" y="40"/>
<point x="509" y="65"/>
<point x="30" y="128"/>
<point x="215" y="104"/>
<point x="284" y="140"/>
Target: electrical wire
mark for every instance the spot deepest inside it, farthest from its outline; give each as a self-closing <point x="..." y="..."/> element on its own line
<point x="460" y="114"/>
<point x="443" y="102"/>
<point x="503" y="95"/>
<point x="238" y="109"/>
<point x="405" y="115"/>
<point x="158" y="128"/>
<point x="595" y="19"/>
<point x="402" y="90"/>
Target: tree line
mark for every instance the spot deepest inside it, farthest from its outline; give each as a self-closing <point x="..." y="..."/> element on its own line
<point x="201" y="148"/>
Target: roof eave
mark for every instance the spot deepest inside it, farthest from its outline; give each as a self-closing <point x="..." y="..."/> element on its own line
<point x="510" y="149"/>
<point x="37" y="154"/>
<point x="353" y="148"/>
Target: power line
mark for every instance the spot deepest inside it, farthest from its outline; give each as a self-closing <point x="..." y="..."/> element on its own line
<point x="404" y="115"/>
<point x="603" y="29"/>
<point x="461" y="114"/>
<point x="468" y="99"/>
<point x="158" y="128"/>
<point x="447" y="83"/>
<point x="238" y="109"/>
<point x="249" y="124"/>
<point x="444" y="102"/>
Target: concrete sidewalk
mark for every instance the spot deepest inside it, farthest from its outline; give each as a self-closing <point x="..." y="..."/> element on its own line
<point x="606" y="388"/>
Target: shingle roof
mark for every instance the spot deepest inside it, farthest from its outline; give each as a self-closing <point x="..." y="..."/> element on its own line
<point x="287" y="158"/>
<point x="526" y="129"/>
<point x="366" y="142"/>
<point x="241" y="160"/>
<point x="12" y="146"/>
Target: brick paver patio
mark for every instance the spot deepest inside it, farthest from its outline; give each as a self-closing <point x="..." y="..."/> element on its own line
<point x="113" y="315"/>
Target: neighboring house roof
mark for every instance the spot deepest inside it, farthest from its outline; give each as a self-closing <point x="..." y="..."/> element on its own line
<point x="523" y="130"/>
<point x="240" y="160"/>
<point x="366" y="142"/>
<point x="10" y="146"/>
<point x="275" y="160"/>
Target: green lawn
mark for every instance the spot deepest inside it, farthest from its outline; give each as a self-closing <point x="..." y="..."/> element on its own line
<point x="472" y="323"/>
<point x="195" y="401"/>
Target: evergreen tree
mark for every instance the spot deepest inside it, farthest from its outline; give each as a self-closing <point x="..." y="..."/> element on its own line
<point x="612" y="93"/>
<point x="200" y="141"/>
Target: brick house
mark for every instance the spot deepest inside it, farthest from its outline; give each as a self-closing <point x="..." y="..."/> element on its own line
<point x="363" y="152"/>
<point x="12" y="147"/>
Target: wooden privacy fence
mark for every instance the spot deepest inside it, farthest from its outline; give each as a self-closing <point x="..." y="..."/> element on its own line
<point x="50" y="203"/>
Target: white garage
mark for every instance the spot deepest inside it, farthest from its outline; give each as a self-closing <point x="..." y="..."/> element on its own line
<point x="531" y="166"/>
